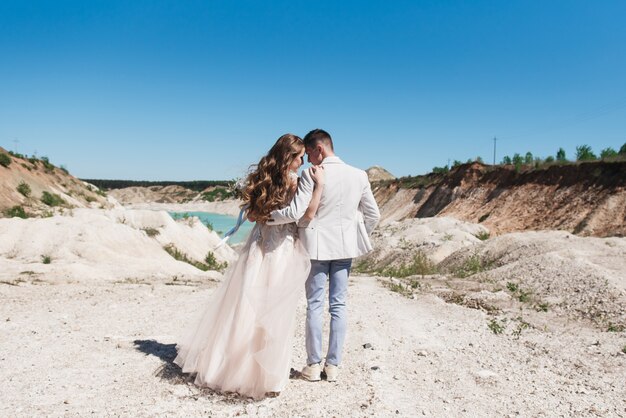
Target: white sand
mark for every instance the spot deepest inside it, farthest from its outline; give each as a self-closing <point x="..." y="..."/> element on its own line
<point x="92" y="333"/>
<point x="91" y="244"/>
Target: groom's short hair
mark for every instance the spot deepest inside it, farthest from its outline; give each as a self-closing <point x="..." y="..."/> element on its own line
<point x="316" y="136"/>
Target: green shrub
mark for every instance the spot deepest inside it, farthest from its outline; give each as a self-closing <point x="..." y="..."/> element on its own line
<point x="151" y="232"/>
<point x="17" y="155"/>
<point x="46" y="259"/>
<point x="622" y="150"/>
<point x="419" y="265"/>
<point x="211" y="261"/>
<point x="219" y="193"/>
<point x="47" y="164"/>
<point x="16" y="212"/>
<point x="543" y="307"/>
<point x="615" y="328"/>
<point x="495" y="327"/>
<point x="512" y="287"/>
<point x="52" y="199"/>
<point x="584" y="153"/>
<point x="5" y="160"/>
<point x="560" y="155"/>
<point x="213" y="264"/>
<point x="24" y="189"/>
<point x="483" y="236"/>
<point x="471" y="266"/>
<point x="528" y="158"/>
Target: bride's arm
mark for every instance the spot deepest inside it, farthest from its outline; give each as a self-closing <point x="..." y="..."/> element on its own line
<point x="317" y="173"/>
<point x="298" y="205"/>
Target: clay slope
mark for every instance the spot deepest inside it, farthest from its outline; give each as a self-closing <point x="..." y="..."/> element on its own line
<point x="41" y="176"/>
<point x="585" y="199"/>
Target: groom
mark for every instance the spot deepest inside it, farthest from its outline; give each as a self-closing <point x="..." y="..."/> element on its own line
<point x="340" y="230"/>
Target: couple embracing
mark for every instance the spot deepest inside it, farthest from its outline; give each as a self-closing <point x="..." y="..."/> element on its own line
<point x="308" y="229"/>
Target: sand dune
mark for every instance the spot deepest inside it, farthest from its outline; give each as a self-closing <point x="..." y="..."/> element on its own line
<point x="92" y="244"/>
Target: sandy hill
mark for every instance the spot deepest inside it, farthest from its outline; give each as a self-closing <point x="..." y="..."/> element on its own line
<point x="377" y="173"/>
<point x="586" y="198"/>
<point x="156" y="194"/>
<point x="38" y="177"/>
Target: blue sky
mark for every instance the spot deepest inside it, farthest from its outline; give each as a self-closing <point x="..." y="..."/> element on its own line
<point x="187" y="90"/>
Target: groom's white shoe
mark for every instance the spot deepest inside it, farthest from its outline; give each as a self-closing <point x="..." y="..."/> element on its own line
<point x="312" y="372"/>
<point x="332" y="372"/>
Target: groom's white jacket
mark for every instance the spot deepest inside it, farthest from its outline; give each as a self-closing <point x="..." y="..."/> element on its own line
<point x="346" y="216"/>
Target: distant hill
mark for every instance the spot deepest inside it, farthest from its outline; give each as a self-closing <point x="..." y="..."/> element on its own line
<point x="196" y="185"/>
<point x="377" y="173"/>
<point x="34" y="187"/>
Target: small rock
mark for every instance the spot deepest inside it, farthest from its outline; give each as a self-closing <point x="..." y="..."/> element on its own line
<point x="367" y="345"/>
<point x="375" y="367"/>
<point x="422" y="353"/>
<point x="486" y="374"/>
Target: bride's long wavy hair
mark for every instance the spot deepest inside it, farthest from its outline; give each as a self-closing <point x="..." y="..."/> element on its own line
<point x="269" y="186"/>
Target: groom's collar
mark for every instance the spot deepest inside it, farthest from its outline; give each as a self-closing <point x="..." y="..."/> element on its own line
<point x="331" y="160"/>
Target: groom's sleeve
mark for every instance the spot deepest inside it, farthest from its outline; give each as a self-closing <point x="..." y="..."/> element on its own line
<point x="369" y="207"/>
<point x="298" y="205"/>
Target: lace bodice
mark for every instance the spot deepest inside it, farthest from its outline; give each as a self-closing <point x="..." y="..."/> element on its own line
<point x="270" y="237"/>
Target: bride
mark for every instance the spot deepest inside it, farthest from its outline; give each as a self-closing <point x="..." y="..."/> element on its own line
<point x="242" y="342"/>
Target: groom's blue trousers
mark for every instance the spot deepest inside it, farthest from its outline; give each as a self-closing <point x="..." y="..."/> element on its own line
<point x="337" y="273"/>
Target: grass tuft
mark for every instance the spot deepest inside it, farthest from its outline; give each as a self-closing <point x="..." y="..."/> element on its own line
<point x="52" y="199"/>
<point x="471" y="266"/>
<point x="483" y="236"/>
<point x="209" y="264"/>
<point x="24" y="189"/>
<point x="496" y="327"/>
<point x="151" y="232"/>
<point x="420" y="265"/>
<point x="16" y="212"/>
<point x="5" y="160"/>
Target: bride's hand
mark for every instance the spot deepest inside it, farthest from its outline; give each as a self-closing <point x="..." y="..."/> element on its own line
<point x="318" y="174"/>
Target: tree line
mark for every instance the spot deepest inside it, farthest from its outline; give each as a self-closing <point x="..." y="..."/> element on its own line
<point x="196" y="185"/>
<point x="583" y="153"/>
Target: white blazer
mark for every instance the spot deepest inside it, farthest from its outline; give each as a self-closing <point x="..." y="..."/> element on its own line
<point x="346" y="215"/>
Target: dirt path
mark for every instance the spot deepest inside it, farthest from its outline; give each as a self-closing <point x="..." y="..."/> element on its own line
<point x="106" y="349"/>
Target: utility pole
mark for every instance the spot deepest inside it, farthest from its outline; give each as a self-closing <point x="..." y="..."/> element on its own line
<point x="494" y="150"/>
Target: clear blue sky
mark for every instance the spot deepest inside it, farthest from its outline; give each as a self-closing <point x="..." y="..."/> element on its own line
<point x="184" y="90"/>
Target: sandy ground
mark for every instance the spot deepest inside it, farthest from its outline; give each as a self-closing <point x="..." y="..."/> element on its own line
<point x="106" y="349"/>
<point x="93" y="333"/>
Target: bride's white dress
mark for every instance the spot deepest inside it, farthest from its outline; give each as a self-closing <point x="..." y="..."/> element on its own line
<point x="242" y="342"/>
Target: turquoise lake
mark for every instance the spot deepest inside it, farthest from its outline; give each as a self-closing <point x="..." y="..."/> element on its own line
<point x="220" y="224"/>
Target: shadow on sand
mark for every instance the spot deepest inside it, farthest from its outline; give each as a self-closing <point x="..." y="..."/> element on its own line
<point x="166" y="353"/>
